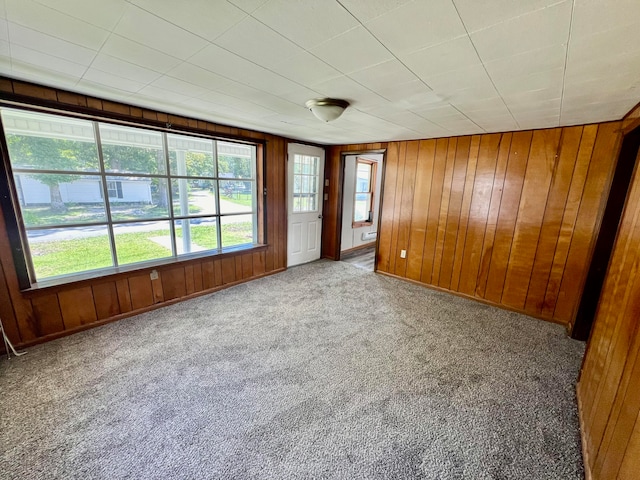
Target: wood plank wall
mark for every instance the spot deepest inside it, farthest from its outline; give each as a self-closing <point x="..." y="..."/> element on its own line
<point x="506" y="218"/>
<point x="609" y="383"/>
<point x="36" y="316"/>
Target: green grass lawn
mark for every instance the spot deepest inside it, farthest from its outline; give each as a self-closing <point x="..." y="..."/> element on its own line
<point x="71" y="256"/>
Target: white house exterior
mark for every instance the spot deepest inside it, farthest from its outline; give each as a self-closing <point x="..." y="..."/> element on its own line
<point x="86" y="190"/>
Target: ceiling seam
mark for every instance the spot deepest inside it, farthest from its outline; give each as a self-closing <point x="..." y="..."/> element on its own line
<point x="484" y="66"/>
<point x="566" y="60"/>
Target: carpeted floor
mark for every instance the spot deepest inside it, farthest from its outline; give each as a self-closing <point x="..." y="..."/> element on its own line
<point x="323" y="371"/>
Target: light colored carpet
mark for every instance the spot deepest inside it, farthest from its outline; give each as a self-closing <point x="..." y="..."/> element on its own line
<point x="323" y="371"/>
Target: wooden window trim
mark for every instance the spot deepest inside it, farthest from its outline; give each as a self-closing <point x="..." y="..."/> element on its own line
<point x="372" y="191"/>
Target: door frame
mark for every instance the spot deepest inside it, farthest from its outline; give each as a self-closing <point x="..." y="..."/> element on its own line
<point x="321" y="192"/>
<point x="626" y="164"/>
<point x="341" y="170"/>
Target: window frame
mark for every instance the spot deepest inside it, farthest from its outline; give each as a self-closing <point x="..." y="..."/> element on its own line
<point x="372" y="191"/>
<point x="17" y="232"/>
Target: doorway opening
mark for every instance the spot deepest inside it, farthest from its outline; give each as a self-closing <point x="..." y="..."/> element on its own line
<point x="361" y="195"/>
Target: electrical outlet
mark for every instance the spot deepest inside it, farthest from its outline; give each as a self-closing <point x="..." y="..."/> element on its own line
<point x="154" y="274"/>
<point x="403" y="254"/>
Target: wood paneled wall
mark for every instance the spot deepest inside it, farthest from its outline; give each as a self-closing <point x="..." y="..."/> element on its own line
<point x="507" y="218"/>
<point x="609" y="386"/>
<point x="48" y="313"/>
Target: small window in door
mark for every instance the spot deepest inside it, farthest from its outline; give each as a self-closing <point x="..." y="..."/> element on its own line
<point x="363" y="201"/>
<point x="305" y="183"/>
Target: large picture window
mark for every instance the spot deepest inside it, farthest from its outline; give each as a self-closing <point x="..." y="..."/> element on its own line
<point x="94" y="195"/>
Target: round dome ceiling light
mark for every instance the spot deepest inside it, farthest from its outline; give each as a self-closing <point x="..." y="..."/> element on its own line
<point x="327" y="109"/>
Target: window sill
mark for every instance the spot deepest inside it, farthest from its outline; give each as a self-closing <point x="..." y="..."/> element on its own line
<point x="113" y="273"/>
<point x="361" y="224"/>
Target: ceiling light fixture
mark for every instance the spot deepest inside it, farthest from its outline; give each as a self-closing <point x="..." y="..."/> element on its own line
<point x="327" y="109"/>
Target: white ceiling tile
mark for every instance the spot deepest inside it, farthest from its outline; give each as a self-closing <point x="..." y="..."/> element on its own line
<point x="491" y="104"/>
<point x="51" y="22"/>
<point x="541" y="28"/>
<point x="147" y="29"/>
<point x="89" y="87"/>
<point x="417" y="25"/>
<point x="599" y="46"/>
<point x="136" y="53"/>
<point x="478" y="15"/>
<point x="112" y="80"/>
<point x="134" y="72"/>
<point x="536" y="81"/>
<point x="348" y="89"/>
<point x="384" y="75"/>
<point x="5" y="51"/>
<point x="4" y="30"/>
<point x="160" y="94"/>
<point x="179" y="86"/>
<point x="101" y="14"/>
<point x="60" y="65"/>
<point x="527" y="63"/>
<point x="306" y="23"/>
<point x="472" y="76"/>
<point x="407" y="94"/>
<point x="3" y="9"/>
<point x="204" y="18"/>
<point x="365" y="10"/>
<point x="37" y="74"/>
<point x="254" y="41"/>
<point x="352" y="51"/>
<point x="453" y="55"/>
<point x="306" y="69"/>
<point x="49" y="45"/>
<point x="533" y="97"/>
<point x="248" y="6"/>
<point x="593" y="16"/>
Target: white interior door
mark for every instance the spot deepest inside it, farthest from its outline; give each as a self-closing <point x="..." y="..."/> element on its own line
<point x="305" y="197"/>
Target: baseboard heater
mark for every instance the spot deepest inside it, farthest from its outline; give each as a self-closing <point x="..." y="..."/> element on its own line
<point x="369" y="235"/>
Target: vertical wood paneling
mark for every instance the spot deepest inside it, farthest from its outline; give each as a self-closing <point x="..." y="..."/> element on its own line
<point x="124" y="295"/>
<point x="77" y="307"/>
<point x="479" y="210"/>
<point x="465" y="211"/>
<point x="47" y="307"/>
<point x="105" y="297"/>
<point x="610" y="377"/>
<point x="541" y="166"/>
<point x="406" y="205"/>
<point x="556" y="204"/>
<point x="444" y="211"/>
<point x="452" y="225"/>
<point x="589" y="216"/>
<point x="492" y="219"/>
<point x="386" y="214"/>
<point x="228" y="270"/>
<point x="507" y="218"/>
<point x="514" y="180"/>
<point x="173" y="283"/>
<point x="569" y="218"/>
<point x="190" y="285"/>
<point x="418" y="227"/>
<point x="141" y="291"/>
<point x="402" y="157"/>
